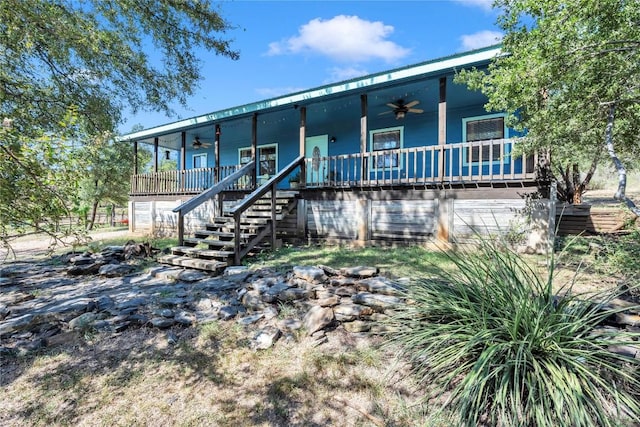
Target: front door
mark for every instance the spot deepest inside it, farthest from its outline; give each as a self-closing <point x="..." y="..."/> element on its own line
<point x="317" y="148"/>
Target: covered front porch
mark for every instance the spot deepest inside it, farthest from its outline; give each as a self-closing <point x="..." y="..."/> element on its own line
<point x="481" y="163"/>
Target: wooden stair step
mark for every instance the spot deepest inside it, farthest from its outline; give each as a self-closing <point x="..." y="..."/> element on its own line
<point x="209" y="242"/>
<point x="197" y="263"/>
<point x="200" y="252"/>
<point x="221" y="234"/>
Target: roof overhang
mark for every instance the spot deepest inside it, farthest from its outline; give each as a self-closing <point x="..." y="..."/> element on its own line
<point x="397" y="76"/>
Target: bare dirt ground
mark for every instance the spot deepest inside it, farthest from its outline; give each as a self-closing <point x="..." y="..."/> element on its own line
<point x="208" y="375"/>
<point x="38" y="245"/>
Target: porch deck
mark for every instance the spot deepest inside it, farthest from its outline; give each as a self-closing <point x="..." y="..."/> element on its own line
<point x="472" y="163"/>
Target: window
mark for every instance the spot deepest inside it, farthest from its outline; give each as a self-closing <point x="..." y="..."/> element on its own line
<point x="383" y="140"/>
<point x="483" y="129"/>
<point x="200" y="160"/>
<point x="267" y="159"/>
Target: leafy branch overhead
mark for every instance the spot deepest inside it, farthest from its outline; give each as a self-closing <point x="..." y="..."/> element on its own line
<point x="565" y="64"/>
<point x="92" y="56"/>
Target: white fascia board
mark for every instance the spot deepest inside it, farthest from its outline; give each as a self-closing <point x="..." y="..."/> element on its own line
<point x="300" y="97"/>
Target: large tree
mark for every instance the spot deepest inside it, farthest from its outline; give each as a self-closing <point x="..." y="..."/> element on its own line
<point x="570" y="77"/>
<point x="68" y="69"/>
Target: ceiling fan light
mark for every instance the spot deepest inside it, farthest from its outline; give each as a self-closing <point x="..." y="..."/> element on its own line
<point x="400" y="115"/>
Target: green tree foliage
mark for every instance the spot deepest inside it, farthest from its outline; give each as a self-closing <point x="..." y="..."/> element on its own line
<point x="105" y="179"/>
<point x="566" y="64"/>
<point x="67" y="71"/>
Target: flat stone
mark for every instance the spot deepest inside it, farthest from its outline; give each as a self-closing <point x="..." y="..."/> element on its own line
<point x="131" y="303"/>
<point x="191" y="276"/>
<point x="163" y="312"/>
<point x="227" y="312"/>
<point x="247" y="320"/>
<point x="235" y="269"/>
<point x="628" y="319"/>
<point x="185" y="318"/>
<point x="348" y="312"/>
<point x="161" y="322"/>
<point x="267" y="337"/>
<point x="328" y="302"/>
<point x="252" y="300"/>
<point x="16" y="324"/>
<point x="318" y="318"/>
<point x="84" y="270"/>
<point x="271" y="294"/>
<point x="83" y="321"/>
<point x="376" y="301"/>
<point x="310" y="274"/>
<point x="380" y="285"/>
<point x="81" y="260"/>
<point x="342" y="281"/>
<point x="632" y="351"/>
<point x="172" y="301"/>
<point x="104" y="302"/>
<point x="72" y="305"/>
<point x="357" y="326"/>
<point x="293" y="294"/>
<point x="345" y="291"/>
<point x="360" y="271"/>
<point x="115" y="270"/>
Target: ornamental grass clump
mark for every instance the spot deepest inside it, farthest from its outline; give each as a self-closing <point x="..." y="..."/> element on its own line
<point x="493" y="341"/>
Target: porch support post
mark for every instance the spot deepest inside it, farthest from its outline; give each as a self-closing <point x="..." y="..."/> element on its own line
<point x="254" y="149"/>
<point x="216" y="148"/>
<point x="135" y="157"/>
<point x="303" y="138"/>
<point x="364" y="108"/>
<point x="442" y="125"/>
<point x="183" y="150"/>
<point x="155" y="154"/>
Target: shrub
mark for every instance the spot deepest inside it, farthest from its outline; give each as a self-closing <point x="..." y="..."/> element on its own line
<point x="493" y="338"/>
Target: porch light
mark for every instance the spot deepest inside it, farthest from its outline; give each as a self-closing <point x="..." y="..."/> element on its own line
<point x="167" y="155"/>
<point x="333" y="139"/>
<point x="400" y="114"/>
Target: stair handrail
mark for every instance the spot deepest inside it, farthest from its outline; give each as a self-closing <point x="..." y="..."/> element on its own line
<point x="257" y="194"/>
<point x="208" y="194"/>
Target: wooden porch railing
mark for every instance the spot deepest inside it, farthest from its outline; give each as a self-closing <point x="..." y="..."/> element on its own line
<point x="224" y="184"/>
<point x="191" y="181"/>
<point x="482" y="161"/>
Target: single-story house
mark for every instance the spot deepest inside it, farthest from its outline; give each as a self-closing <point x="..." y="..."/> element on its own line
<point x="405" y="155"/>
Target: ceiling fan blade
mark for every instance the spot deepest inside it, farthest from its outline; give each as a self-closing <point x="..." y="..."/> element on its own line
<point x="386" y="112"/>
<point x="412" y="103"/>
<point x="392" y="105"/>
<point x="415" y="110"/>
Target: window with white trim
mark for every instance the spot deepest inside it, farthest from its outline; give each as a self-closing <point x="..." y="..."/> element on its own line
<point x="267" y="158"/>
<point x="485" y="128"/>
<point x="200" y="160"/>
<point x="383" y="140"/>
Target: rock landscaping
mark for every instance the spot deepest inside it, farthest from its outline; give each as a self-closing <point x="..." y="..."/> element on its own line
<point x="40" y="304"/>
<point x="43" y="304"/>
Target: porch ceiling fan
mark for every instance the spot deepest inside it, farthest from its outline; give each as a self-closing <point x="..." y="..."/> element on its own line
<point x="197" y="144"/>
<point x="400" y="109"/>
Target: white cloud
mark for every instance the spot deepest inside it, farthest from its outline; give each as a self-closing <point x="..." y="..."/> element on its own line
<point x="343" y="38"/>
<point x="486" y="5"/>
<point x="339" y="74"/>
<point x="480" y="39"/>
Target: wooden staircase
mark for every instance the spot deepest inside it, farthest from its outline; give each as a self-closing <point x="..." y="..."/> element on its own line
<point x="214" y="247"/>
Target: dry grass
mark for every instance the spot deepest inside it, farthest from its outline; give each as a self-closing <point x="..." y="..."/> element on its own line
<point x="210" y="377"/>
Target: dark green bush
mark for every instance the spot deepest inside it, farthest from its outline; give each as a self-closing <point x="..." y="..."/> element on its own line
<point x="492" y="337"/>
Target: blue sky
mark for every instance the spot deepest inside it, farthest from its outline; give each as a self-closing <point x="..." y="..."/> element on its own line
<point x="288" y="46"/>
